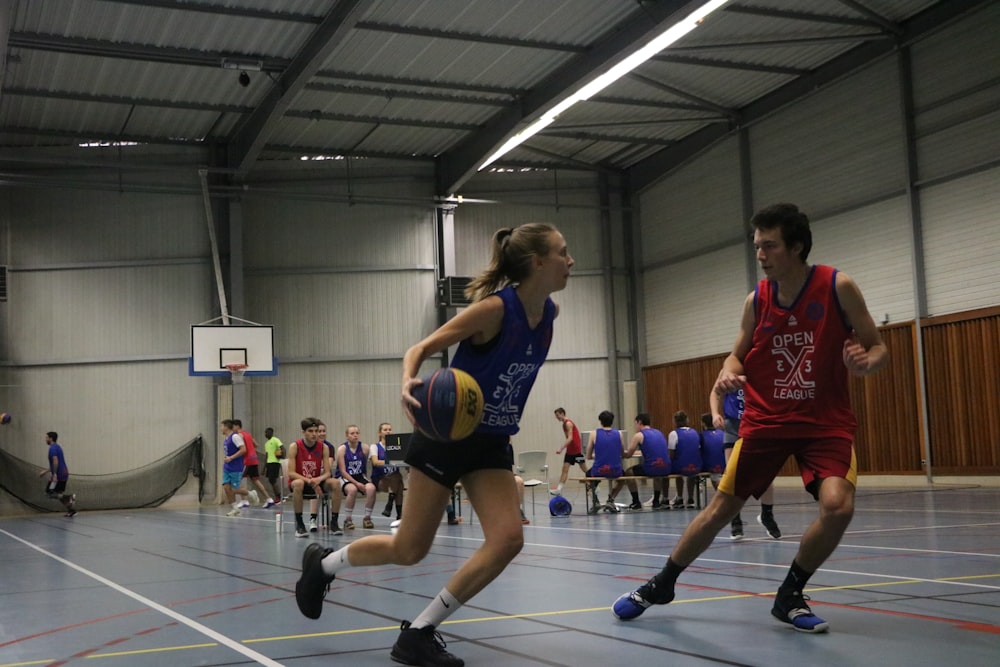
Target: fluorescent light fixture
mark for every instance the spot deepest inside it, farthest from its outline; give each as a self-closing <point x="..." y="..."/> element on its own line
<point x="657" y="44"/>
<point x="244" y="64"/>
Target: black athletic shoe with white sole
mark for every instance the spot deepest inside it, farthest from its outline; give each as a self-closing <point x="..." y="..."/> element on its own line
<point x="313" y="585"/>
<point x="423" y="647"/>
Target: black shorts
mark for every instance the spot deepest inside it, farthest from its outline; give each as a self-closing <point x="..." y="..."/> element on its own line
<point x="573" y="459"/>
<point x="253" y="472"/>
<point x="57" y="489"/>
<point x="447" y="462"/>
<point x="273" y="470"/>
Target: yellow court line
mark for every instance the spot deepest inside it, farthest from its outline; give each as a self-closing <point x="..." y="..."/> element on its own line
<point x="161" y="649"/>
<point x="508" y="617"/>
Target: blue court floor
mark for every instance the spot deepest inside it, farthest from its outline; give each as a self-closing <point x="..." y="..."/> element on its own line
<point x="916" y="581"/>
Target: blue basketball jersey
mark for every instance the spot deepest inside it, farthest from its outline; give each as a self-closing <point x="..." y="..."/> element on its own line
<point x="354" y="461"/>
<point x="732" y="405"/>
<point x="713" y="453"/>
<point x="607" y="454"/>
<point x="655" y="455"/>
<point x="687" y="459"/>
<point x="506" y="367"/>
<point x="378" y="472"/>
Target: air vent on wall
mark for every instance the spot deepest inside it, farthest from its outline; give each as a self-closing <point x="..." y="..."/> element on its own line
<point x="451" y="291"/>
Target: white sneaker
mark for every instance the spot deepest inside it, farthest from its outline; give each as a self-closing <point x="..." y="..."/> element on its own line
<point x="312" y="526"/>
<point x="236" y="505"/>
<point x="254" y="498"/>
<point x="555" y="492"/>
<point x="233" y="512"/>
<point x="243" y="504"/>
<point x="268" y="503"/>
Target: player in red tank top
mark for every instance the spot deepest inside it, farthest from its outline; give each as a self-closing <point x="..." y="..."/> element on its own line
<point x="803" y="330"/>
<point x="572" y="450"/>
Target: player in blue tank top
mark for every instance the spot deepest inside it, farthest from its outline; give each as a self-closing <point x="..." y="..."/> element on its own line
<point x="655" y="462"/>
<point x="503" y="339"/>
<point x="713" y="455"/>
<point x="605" y="448"/>
<point x="685" y="457"/>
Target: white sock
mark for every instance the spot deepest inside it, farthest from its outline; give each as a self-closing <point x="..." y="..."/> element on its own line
<point x="443" y="606"/>
<point x="335" y="562"/>
<point x="559" y="486"/>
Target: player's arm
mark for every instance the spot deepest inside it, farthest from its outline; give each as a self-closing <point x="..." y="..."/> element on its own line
<point x="292" y="454"/>
<point x="374" y="458"/>
<point x="715" y="405"/>
<point x="732" y="377"/>
<point x="634" y="444"/>
<point x="672" y="445"/>
<point x="481" y="322"/>
<point x="590" y="445"/>
<point x="864" y="353"/>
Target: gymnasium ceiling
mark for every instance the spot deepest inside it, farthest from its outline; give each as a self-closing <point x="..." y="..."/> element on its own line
<point x="442" y="81"/>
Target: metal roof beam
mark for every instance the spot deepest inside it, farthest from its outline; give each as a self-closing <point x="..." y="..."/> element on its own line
<point x="137" y="101"/>
<point x="382" y="120"/>
<point x="421" y="83"/>
<point x="653" y="104"/>
<point x="124" y="50"/>
<point x="782" y="41"/>
<point x="251" y="136"/>
<point x="458" y="165"/>
<point x="474" y="38"/>
<point x="387" y="93"/>
<point x="700" y="102"/>
<point x="797" y="16"/>
<point x="874" y="17"/>
<point x="729" y="64"/>
<point x="245" y="12"/>
<point x="930" y="20"/>
<point x="564" y="133"/>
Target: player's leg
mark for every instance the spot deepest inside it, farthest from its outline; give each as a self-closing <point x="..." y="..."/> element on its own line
<point x="766" y="516"/>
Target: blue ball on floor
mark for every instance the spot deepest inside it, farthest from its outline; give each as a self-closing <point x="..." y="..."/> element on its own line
<point x="559" y="506"/>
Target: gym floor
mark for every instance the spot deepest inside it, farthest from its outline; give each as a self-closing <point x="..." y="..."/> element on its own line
<point x="915" y="581"/>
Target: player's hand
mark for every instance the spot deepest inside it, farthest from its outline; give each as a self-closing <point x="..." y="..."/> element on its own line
<point x="728" y="382"/>
<point x="855" y="357"/>
<point x="718" y="421"/>
<point x="407" y="399"/>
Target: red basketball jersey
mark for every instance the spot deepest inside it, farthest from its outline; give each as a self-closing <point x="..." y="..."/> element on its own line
<point x="797" y="384"/>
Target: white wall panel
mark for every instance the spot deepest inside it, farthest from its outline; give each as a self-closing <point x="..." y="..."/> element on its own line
<point x="693" y="307"/>
<point x="828" y="152"/>
<point x="298" y="235"/>
<point x="872" y="245"/>
<point x="369" y="314"/>
<point x="696" y="206"/>
<point x="79" y="226"/>
<point x="105" y="313"/>
<point x="962" y="242"/>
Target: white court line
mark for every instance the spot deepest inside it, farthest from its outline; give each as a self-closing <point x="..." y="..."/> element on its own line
<point x="222" y="639"/>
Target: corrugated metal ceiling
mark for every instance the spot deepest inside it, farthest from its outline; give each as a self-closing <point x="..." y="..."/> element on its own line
<point x="444" y="80"/>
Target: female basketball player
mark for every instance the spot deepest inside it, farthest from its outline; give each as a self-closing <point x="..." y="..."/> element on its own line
<point x="503" y="338"/>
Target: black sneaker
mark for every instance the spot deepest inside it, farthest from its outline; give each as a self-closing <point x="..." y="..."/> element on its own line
<point x="71" y="513"/>
<point x="790" y="607"/>
<point x="422" y="646"/>
<point x="335" y="529"/>
<point x="635" y="507"/>
<point x="737" y="529"/>
<point x="313" y="585"/>
<point x="766" y="519"/>
<point x="656" y="505"/>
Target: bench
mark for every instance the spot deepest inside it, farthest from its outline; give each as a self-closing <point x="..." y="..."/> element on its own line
<point x="701" y="490"/>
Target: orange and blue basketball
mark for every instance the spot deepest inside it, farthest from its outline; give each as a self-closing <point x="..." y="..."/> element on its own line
<point x="451" y="405"/>
<point x="4" y="418"/>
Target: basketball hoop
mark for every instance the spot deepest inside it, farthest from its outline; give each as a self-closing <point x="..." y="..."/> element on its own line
<point x="237" y="371"/>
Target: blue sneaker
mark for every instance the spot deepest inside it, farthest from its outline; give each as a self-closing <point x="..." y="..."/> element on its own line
<point x="629" y="606"/>
<point x="790" y="607"/>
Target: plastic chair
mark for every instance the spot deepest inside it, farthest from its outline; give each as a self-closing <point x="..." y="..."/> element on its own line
<point x="533" y="463"/>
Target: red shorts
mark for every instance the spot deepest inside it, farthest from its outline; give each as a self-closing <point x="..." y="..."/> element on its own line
<point x="756" y="461"/>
